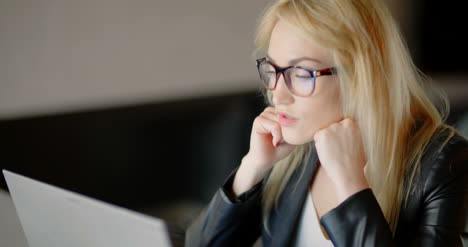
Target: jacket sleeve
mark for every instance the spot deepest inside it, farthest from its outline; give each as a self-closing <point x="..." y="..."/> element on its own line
<point x="443" y="221"/>
<point x="228" y="220"/>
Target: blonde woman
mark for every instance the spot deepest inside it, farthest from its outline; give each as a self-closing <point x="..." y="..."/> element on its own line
<point x="352" y="149"/>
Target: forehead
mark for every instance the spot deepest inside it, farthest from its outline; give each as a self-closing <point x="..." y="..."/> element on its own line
<point x="287" y="44"/>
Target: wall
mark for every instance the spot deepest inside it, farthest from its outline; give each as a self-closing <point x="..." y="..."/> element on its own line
<point x="61" y="56"/>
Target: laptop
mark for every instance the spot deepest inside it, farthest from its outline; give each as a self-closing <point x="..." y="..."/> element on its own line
<point x="55" y="217"/>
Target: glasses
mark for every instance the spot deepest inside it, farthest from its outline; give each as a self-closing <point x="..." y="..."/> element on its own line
<point x="300" y="81"/>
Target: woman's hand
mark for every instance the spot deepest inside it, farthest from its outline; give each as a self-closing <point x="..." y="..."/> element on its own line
<point x="341" y="154"/>
<point x="266" y="148"/>
<point x="266" y="140"/>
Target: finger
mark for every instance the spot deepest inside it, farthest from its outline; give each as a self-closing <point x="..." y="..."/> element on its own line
<point x="340" y="120"/>
<point x="318" y="135"/>
<point x="271" y="115"/>
<point x="270" y="109"/>
<point x="268" y="126"/>
<point x="347" y="120"/>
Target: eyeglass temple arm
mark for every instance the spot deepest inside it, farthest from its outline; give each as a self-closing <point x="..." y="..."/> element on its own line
<point x="329" y="71"/>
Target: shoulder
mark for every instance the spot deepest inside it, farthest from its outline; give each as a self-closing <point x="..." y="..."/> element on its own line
<point x="445" y="161"/>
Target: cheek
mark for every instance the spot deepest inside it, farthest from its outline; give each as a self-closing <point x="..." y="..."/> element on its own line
<point x="317" y="113"/>
<point x="321" y="112"/>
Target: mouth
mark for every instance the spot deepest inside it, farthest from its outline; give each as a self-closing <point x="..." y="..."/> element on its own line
<point x="286" y="120"/>
<point x="286" y="116"/>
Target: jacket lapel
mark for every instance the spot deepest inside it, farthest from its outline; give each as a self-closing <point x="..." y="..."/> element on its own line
<point x="284" y="220"/>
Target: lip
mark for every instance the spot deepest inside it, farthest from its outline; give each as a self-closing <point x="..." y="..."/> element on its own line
<point x="285" y="122"/>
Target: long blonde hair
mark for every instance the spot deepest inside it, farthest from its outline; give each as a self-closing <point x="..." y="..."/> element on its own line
<point x="380" y="87"/>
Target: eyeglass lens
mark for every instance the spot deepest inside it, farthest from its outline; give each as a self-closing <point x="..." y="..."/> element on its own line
<point x="299" y="81"/>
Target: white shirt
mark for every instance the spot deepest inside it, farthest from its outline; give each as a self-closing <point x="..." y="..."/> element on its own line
<point x="309" y="232"/>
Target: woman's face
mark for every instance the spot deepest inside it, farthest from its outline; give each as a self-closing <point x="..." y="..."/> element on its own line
<point x="317" y="111"/>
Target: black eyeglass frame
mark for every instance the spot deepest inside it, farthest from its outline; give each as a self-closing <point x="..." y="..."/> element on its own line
<point x="313" y="73"/>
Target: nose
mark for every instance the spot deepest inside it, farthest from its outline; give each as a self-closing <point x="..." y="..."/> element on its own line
<point x="281" y="94"/>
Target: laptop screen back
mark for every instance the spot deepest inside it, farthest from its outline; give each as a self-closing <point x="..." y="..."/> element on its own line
<point x="54" y="217"/>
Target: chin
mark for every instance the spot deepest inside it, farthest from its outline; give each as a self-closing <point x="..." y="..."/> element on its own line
<point x="296" y="137"/>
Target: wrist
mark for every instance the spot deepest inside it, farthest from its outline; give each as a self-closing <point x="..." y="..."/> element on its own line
<point x="348" y="187"/>
<point x="247" y="176"/>
<point x="256" y="168"/>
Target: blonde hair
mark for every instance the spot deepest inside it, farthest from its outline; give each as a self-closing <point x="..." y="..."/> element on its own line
<point x="380" y="87"/>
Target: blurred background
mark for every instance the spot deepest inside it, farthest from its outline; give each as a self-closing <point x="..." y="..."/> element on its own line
<point x="149" y="104"/>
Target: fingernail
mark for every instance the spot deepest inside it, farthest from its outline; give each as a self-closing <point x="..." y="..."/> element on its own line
<point x="277" y="144"/>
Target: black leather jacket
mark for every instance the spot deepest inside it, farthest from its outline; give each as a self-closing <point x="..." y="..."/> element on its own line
<point x="435" y="215"/>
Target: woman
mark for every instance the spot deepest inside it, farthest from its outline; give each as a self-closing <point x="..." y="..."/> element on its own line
<point x="351" y="151"/>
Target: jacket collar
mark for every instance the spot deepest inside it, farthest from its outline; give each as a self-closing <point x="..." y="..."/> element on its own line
<point x="284" y="220"/>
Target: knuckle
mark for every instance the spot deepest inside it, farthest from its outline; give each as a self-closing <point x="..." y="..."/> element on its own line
<point x="269" y="108"/>
<point x="267" y="114"/>
<point x="326" y="132"/>
<point x="258" y="119"/>
<point x="318" y="134"/>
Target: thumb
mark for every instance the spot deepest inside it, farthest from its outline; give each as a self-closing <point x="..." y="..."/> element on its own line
<point x="285" y="148"/>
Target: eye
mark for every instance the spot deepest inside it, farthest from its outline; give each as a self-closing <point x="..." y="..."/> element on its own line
<point x="304" y="76"/>
<point x="301" y="75"/>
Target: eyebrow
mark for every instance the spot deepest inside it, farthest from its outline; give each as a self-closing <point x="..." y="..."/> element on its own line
<point x="297" y="60"/>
